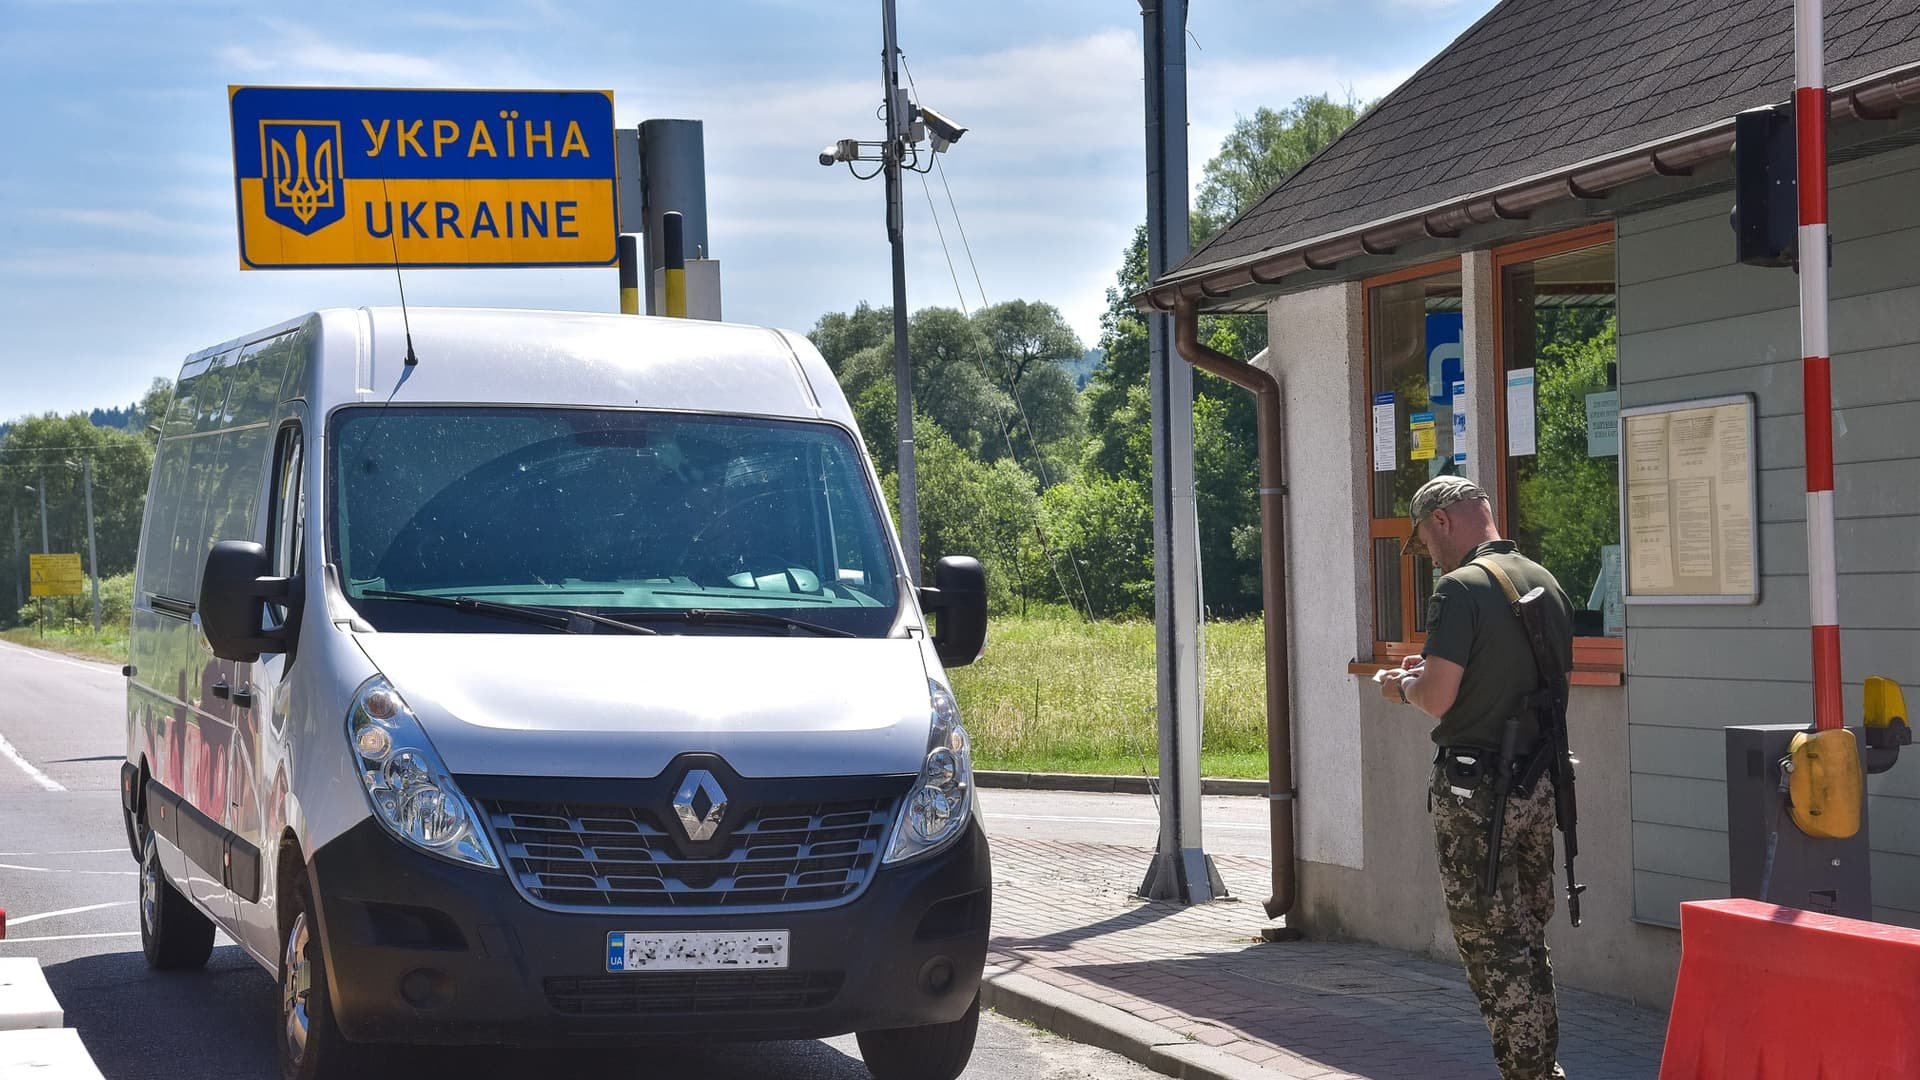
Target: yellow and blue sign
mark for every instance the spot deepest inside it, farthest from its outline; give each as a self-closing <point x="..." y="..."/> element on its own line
<point x="358" y="177"/>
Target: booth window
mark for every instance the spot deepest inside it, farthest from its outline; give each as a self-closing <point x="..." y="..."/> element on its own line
<point x="1560" y="437"/>
<point x="1413" y="363"/>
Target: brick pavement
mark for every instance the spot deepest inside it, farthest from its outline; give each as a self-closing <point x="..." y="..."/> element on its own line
<point x="1064" y="915"/>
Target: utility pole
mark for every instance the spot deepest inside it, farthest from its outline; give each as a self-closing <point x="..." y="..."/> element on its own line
<point x="1181" y="868"/>
<point x="19" y="596"/>
<point x="45" y="547"/>
<point x="892" y="155"/>
<point x="93" y="566"/>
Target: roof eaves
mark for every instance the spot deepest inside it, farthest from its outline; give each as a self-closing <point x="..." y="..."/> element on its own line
<point x="1875" y="96"/>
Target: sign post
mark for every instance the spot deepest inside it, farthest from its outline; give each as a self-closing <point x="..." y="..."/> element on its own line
<point x="344" y="178"/>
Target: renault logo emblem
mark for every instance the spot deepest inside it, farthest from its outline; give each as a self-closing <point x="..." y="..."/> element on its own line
<point x="700" y="805"/>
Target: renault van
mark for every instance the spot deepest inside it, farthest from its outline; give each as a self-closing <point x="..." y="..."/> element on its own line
<point x="541" y="678"/>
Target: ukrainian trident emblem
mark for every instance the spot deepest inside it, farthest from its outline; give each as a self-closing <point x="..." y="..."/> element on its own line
<point x="303" y="173"/>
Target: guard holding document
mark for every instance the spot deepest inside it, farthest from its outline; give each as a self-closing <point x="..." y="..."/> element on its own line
<point x="1499" y="645"/>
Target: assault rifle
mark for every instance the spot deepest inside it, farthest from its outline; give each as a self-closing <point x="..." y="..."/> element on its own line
<point x="1552" y="756"/>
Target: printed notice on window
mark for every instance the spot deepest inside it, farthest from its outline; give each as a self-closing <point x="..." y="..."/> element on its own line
<point x="1687" y="490"/>
<point x="1386" y="447"/>
<point x="1520" y="430"/>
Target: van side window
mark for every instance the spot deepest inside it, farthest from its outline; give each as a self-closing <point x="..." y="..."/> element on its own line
<point x="286" y="523"/>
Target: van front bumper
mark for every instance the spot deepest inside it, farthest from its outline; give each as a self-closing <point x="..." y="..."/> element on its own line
<point x="421" y="950"/>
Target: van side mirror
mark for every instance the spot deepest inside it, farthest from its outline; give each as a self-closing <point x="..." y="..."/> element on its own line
<point x="234" y="592"/>
<point x="958" y="599"/>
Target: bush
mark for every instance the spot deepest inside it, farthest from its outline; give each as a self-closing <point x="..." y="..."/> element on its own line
<point x="116" y="607"/>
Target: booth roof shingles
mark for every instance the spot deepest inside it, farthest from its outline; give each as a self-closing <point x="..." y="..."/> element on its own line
<point x="1539" y="85"/>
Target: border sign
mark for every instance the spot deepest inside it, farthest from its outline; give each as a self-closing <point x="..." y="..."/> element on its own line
<point x="56" y="575"/>
<point x="339" y="178"/>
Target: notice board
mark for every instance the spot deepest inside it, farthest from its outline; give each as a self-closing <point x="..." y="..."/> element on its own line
<point x="1688" y="502"/>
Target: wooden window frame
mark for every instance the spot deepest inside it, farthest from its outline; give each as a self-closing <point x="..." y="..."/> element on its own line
<point x="1597" y="661"/>
<point x="1379" y="528"/>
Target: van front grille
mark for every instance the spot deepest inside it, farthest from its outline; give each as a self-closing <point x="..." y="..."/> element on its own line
<point x="693" y="992"/>
<point x="621" y="857"/>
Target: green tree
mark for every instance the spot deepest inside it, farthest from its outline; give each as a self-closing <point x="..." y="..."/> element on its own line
<point x="48" y="451"/>
<point x="1567" y="503"/>
<point x="1261" y="151"/>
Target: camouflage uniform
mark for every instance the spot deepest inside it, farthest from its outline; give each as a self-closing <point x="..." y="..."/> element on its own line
<point x="1502" y="939"/>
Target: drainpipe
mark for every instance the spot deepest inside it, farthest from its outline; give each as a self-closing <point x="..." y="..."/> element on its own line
<point x="1273" y="589"/>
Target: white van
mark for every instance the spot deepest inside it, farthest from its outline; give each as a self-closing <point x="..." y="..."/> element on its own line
<point x="564" y="686"/>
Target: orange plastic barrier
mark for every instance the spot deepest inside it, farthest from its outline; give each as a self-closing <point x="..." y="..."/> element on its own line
<point x="1774" y="993"/>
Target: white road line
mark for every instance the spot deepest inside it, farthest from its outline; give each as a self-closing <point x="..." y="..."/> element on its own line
<point x="996" y="815"/>
<point x="90" y="665"/>
<point x="43" y="854"/>
<point x="21" y="920"/>
<point x="56" y="870"/>
<point x="69" y="937"/>
<point x="33" y="773"/>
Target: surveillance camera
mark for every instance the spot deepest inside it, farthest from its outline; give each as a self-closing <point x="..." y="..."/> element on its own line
<point x="945" y="132"/>
<point x="827" y="156"/>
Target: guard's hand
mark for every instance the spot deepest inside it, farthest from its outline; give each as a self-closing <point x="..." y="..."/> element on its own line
<point x="1390" y="684"/>
<point x="1413" y="663"/>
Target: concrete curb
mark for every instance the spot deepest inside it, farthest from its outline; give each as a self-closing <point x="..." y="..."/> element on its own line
<point x="1131" y="785"/>
<point x="1162" y="1049"/>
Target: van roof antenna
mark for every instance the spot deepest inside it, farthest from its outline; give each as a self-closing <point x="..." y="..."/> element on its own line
<point x="405" y="324"/>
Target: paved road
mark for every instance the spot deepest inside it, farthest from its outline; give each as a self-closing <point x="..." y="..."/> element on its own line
<point x="67" y="881"/>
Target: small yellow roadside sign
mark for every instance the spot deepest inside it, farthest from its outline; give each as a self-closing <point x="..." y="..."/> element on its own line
<point x="56" y="575"/>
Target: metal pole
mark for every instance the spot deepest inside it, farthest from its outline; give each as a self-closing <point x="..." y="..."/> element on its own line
<point x="19" y="595"/>
<point x="93" y="566"/>
<point x="629" y="274"/>
<point x="1181" y="869"/>
<point x="45" y="548"/>
<point x="902" y="367"/>
<point x="1810" y="132"/>
<point x="673" y="267"/>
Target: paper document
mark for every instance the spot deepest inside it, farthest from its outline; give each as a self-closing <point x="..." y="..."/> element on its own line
<point x="1520" y="423"/>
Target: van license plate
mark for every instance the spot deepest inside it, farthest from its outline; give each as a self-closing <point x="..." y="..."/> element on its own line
<point x="642" y="950"/>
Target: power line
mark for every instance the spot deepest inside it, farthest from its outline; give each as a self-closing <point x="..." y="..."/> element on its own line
<point x="967" y="247"/>
<point x="942" y="234"/>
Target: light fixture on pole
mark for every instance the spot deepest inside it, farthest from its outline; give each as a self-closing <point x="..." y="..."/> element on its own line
<point x="908" y="125"/>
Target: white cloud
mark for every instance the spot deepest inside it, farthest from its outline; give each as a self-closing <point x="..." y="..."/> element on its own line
<point x="292" y="48"/>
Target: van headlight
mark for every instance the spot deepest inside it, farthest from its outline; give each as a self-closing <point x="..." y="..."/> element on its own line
<point x="411" y="792"/>
<point x="941" y="801"/>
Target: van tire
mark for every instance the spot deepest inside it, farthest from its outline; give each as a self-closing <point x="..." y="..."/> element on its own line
<point x="322" y="1053"/>
<point x="174" y="935"/>
<point x="931" y="1052"/>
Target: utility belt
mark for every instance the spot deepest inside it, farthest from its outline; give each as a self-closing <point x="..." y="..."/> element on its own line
<point x="1468" y="767"/>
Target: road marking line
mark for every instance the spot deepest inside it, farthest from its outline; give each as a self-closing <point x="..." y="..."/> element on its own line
<point x="20" y="920"/>
<point x="995" y="815"/>
<point x="56" y="870"/>
<point x="40" y="854"/>
<point x="70" y="937"/>
<point x="33" y="773"/>
<point x="90" y="665"/>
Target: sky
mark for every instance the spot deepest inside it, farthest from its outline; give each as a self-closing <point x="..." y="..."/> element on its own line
<point x="118" y="248"/>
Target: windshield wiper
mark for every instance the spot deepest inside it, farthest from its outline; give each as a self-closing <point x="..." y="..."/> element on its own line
<point x="736" y="617"/>
<point x="558" y="619"/>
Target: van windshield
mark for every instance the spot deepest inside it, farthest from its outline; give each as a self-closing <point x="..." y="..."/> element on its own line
<point x="609" y="511"/>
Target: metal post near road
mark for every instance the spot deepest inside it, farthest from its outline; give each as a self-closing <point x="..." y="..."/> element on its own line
<point x="45" y="547"/>
<point x="1810" y="132"/>
<point x="896" y="236"/>
<point x="629" y="274"/>
<point x="1181" y="869"/>
<point x="19" y="594"/>
<point x="93" y="566"/>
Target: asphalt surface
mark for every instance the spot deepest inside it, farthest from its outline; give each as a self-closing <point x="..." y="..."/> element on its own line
<point x="68" y="883"/>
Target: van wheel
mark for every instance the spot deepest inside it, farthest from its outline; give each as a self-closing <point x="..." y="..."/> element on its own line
<point x="932" y="1052"/>
<point x="311" y="1046"/>
<point x="174" y="935"/>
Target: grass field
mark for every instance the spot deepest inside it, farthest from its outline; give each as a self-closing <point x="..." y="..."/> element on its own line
<point x="1056" y="694"/>
<point x="109" y="646"/>
<point x="1052" y="694"/>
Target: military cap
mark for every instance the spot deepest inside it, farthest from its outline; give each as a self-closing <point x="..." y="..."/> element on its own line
<point x="1437" y="494"/>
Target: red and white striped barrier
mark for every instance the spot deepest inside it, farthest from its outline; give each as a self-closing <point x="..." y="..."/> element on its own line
<point x="1810" y="132"/>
